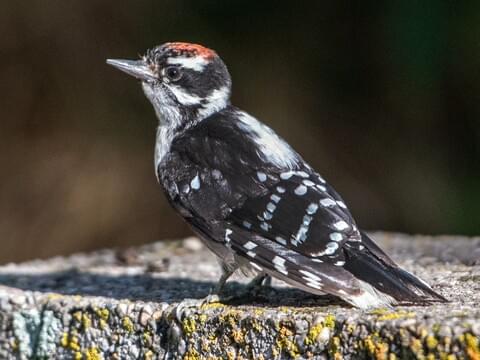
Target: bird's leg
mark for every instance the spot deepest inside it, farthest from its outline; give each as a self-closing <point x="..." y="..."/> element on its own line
<point x="212" y="297"/>
<point x="226" y="273"/>
<point x="215" y="296"/>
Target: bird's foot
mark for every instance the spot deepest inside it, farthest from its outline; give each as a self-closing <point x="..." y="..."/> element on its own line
<point x="188" y="304"/>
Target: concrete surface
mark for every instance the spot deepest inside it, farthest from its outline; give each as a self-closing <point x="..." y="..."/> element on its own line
<point x="129" y="304"/>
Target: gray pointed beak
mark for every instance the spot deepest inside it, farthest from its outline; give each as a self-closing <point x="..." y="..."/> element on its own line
<point x="136" y="68"/>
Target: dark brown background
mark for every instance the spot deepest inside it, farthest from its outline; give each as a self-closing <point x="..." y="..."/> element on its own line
<point x="382" y="98"/>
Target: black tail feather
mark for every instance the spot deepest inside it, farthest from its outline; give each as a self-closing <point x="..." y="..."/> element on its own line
<point x="382" y="273"/>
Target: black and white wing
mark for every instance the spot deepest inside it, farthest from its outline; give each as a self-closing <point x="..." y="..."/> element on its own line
<point x="256" y="196"/>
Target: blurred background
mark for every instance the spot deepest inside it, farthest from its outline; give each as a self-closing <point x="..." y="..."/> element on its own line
<point x="383" y="99"/>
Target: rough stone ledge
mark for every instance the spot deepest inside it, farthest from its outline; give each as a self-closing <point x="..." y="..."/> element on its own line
<point x="130" y="304"/>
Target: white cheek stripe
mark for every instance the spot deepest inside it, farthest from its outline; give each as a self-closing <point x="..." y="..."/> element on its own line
<point x="184" y="97"/>
<point x="196" y="63"/>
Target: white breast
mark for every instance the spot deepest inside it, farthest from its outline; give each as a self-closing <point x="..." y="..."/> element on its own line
<point x="162" y="144"/>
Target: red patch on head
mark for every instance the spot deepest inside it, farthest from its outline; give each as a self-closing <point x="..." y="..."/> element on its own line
<point x="192" y="49"/>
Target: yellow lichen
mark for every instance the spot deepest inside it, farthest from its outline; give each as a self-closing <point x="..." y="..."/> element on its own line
<point x="102" y="313"/>
<point x="127" y="324"/>
<point x="316" y="329"/>
<point x="431" y="342"/>
<point x="473" y="349"/>
<point x="86" y="321"/>
<point x="379" y="311"/>
<point x="330" y="321"/>
<point x="213" y="305"/>
<point x="202" y="318"/>
<point x="93" y="354"/>
<point x="205" y="346"/>
<point x="238" y="336"/>
<point x="192" y="354"/>
<point x="147" y="337"/>
<point x="284" y="343"/>
<point x="396" y="315"/>
<point x="417" y="347"/>
<point x="335" y="347"/>
<point x="230" y="355"/>
<point x="73" y="343"/>
<point x="64" y="340"/>
<point x="78" y="355"/>
<point x="189" y="326"/>
<point x="77" y="315"/>
<point x="376" y="347"/>
<point x="148" y="355"/>
<point x="313" y="333"/>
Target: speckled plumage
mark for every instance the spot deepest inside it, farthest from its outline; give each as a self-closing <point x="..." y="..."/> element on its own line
<point x="252" y="199"/>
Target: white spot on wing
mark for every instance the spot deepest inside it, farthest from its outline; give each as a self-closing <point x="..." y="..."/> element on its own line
<point x="301" y="190"/>
<point x="321" y="188"/>
<point x="259" y="268"/>
<point x="249" y="245"/>
<point x="309" y="275"/>
<point x="275" y="198"/>
<point x="281" y="240"/>
<point x="312" y="208"/>
<point x="265" y="226"/>
<point x="286" y="175"/>
<point x="342" y="204"/>
<point x="247" y="225"/>
<point x="228" y="232"/>
<point x="261" y="176"/>
<point x="195" y="183"/>
<point x="335" y="236"/>
<point x="308" y="182"/>
<point x="327" y="202"/>
<point x="271" y="207"/>
<point x="302" y="174"/>
<point x="331" y="248"/>
<point x="280" y="189"/>
<point x="341" y="225"/>
<point x="279" y="264"/>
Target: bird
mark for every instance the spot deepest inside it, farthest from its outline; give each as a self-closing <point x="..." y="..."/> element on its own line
<point x="250" y="197"/>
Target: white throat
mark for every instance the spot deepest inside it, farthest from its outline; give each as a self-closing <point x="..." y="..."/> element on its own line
<point x="170" y="118"/>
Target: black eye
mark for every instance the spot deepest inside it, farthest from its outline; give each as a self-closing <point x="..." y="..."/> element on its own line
<point x="173" y="73"/>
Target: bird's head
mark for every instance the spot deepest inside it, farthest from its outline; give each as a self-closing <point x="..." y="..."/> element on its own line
<point x="184" y="82"/>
